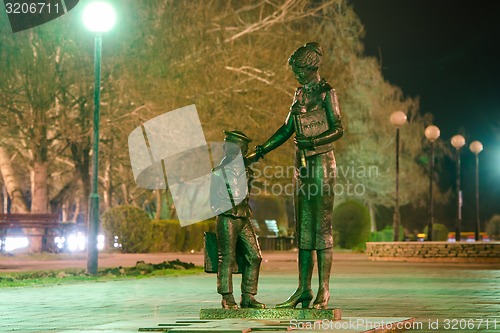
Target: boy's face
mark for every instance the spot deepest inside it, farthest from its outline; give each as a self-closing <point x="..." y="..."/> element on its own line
<point x="233" y="147"/>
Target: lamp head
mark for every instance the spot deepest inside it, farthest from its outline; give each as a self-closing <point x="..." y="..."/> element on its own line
<point x="432" y="133"/>
<point x="457" y="141"/>
<point x="476" y="147"/>
<point x="398" y="118"/>
<point x="99" y="16"/>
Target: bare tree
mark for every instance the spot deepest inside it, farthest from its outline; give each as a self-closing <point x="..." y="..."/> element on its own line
<point x="227" y="57"/>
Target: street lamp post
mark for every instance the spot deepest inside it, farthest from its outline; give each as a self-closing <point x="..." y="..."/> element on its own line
<point x="431" y="133"/>
<point x="98" y="17"/>
<point x="398" y="119"/>
<point x="458" y="142"/>
<point x="476" y="147"/>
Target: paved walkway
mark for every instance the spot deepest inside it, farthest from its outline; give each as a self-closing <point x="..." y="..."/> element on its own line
<point x="443" y="297"/>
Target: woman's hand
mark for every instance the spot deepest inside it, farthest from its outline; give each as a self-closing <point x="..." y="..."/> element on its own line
<point x="303" y="142"/>
<point x="297" y="108"/>
<point x="255" y="155"/>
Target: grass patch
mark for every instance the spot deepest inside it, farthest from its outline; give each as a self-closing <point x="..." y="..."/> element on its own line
<point x="71" y="276"/>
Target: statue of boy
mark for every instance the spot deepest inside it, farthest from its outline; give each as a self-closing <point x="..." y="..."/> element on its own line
<point x="234" y="224"/>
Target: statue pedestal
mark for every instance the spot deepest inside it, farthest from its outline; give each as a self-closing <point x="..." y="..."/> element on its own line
<point x="299" y="314"/>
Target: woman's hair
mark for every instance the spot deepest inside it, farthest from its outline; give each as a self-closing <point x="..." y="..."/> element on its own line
<point x="307" y="56"/>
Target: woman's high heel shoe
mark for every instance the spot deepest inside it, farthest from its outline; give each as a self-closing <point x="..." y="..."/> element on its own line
<point x="298" y="296"/>
<point x="321" y="301"/>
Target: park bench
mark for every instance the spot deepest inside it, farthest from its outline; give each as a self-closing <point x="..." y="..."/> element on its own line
<point x="45" y="223"/>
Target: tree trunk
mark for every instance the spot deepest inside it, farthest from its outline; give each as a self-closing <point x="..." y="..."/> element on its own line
<point x="159" y="204"/>
<point x="64" y="212"/>
<point x="39" y="202"/>
<point x="39" y="189"/>
<point x="373" y="222"/>
<point x="12" y="185"/>
<point x="172" y="210"/>
<point x="74" y="219"/>
<point x="125" y="194"/>
<point x="81" y="156"/>
<point x="107" y="194"/>
<point x="86" y="193"/>
<point x="4" y="199"/>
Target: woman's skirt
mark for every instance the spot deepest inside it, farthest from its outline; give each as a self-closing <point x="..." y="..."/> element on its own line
<point x="313" y="200"/>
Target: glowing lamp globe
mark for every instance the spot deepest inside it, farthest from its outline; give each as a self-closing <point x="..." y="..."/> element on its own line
<point x="458" y="141"/>
<point x="99" y="16"/>
<point x="398" y="118"/>
<point x="432" y="133"/>
<point x="476" y="147"/>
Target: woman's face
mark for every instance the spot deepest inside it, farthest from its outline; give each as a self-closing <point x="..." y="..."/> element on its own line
<point x="304" y="75"/>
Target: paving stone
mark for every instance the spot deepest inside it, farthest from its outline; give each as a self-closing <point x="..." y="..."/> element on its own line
<point x="360" y="287"/>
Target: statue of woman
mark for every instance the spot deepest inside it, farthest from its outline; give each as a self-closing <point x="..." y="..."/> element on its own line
<point x="315" y="119"/>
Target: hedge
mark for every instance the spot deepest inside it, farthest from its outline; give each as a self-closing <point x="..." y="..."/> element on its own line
<point x="351" y="220"/>
<point x="137" y="233"/>
<point x="171" y="237"/>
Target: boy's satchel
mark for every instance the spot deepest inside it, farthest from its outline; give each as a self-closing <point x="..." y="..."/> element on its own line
<point x="211" y="262"/>
<point x="311" y="124"/>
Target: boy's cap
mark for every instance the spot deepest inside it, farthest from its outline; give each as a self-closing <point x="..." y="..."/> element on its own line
<point x="236" y="135"/>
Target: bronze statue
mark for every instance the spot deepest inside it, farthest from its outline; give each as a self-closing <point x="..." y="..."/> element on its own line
<point x="315" y="119"/>
<point x="234" y="224"/>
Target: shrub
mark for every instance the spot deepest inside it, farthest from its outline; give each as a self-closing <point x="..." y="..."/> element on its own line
<point x="171" y="237"/>
<point x="132" y="226"/>
<point x="493" y="227"/>
<point x="377" y="236"/>
<point x="386" y="235"/>
<point x="137" y="233"/>
<point x="194" y="239"/>
<point x="352" y="222"/>
<point x="439" y="232"/>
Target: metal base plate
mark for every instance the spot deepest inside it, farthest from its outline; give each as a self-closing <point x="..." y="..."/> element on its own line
<point x="300" y="314"/>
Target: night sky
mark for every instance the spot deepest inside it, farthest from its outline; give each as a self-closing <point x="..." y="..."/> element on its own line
<point x="448" y="53"/>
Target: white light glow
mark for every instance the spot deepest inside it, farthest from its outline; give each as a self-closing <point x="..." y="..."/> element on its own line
<point x="116" y="244"/>
<point x="59" y="242"/>
<point x="99" y="16"/>
<point x="100" y="242"/>
<point x="14" y="243"/>
<point x="76" y="242"/>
